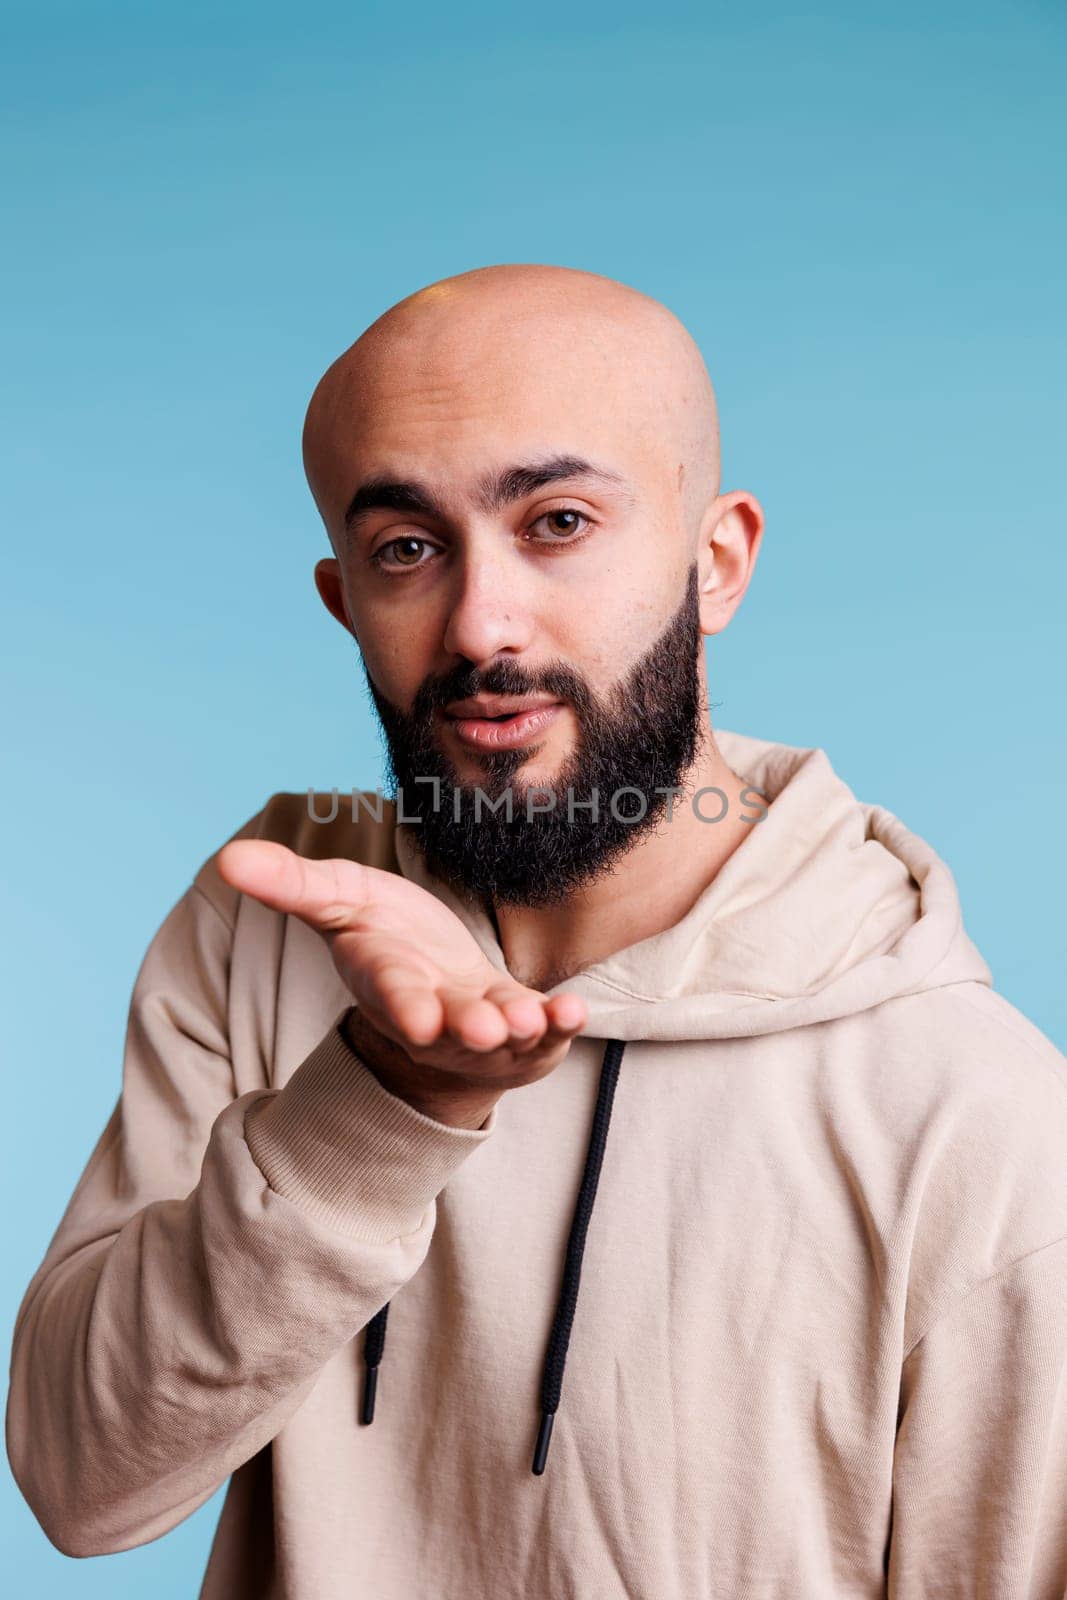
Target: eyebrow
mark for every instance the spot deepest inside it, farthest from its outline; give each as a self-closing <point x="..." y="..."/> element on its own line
<point x="495" y="490"/>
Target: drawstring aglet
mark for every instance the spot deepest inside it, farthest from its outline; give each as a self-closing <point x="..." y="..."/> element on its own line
<point x="370" y="1389"/>
<point x="543" y="1436"/>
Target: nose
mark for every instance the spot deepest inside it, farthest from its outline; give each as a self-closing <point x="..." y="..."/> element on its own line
<point x="487" y="614"/>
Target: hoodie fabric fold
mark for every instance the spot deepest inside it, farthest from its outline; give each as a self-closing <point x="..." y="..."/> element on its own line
<point x="813" y="1330"/>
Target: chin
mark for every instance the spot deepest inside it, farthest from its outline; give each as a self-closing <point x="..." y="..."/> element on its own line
<point x="531" y="763"/>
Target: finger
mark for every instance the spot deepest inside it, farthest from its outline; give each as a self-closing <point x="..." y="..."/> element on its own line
<point x="523" y="1011"/>
<point x="566" y="1014"/>
<point x="328" y="895"/>
<point x="474" y="1021"/>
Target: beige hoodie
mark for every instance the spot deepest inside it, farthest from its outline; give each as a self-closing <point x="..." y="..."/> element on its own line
<point x="820" y="1344"/>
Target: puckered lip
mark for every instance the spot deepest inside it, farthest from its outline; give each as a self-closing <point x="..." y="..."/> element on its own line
<point x="497" y="705"/>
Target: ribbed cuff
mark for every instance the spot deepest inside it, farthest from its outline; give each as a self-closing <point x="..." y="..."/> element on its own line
<point x="338" y="1144"/>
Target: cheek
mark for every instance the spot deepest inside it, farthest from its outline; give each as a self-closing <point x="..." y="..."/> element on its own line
<point x="629" y="619"/>
<point x="603" y="629"/>
<point x="397" y="659"/>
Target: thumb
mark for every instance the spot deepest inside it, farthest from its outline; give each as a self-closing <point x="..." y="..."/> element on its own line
<point x="328" y="895"/>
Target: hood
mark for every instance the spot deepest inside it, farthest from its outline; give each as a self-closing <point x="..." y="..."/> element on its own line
<point x="829" y="907"/>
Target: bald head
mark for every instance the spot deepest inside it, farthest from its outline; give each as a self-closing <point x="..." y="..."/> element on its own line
<point x="511" y="360"/>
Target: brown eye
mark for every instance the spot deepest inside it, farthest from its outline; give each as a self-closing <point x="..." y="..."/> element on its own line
<point x="564" y="525"/>
<point x="402" y="552"/>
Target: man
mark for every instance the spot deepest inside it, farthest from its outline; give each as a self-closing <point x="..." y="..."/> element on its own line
<point x="640" y="1193"/>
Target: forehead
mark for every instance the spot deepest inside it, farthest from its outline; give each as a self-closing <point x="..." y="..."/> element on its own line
<point x="456" y="416"/>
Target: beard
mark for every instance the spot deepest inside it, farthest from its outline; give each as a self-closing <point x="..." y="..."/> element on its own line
<point x="644" y="736"/>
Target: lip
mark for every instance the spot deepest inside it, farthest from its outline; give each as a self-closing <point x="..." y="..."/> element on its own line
<point x="495" y="705"/>
<point x="481" y="733"/>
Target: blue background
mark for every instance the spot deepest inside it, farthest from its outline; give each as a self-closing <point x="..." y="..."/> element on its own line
<point x="859" y="214"/>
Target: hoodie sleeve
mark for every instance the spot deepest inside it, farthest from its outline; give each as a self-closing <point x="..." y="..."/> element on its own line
<point x="980" y="1469"/>
<point x="216" y="1252"/>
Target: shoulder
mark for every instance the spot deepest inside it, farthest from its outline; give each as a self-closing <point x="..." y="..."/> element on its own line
<point x="966" y="1043"/>
<point x="354" y="824"/>
<point x="1009" y="1035"/>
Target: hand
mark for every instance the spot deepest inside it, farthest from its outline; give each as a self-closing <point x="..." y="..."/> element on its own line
<point x="461" y="1031"/>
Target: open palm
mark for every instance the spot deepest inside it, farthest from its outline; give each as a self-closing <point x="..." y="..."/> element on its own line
<point x="411" y="965"/>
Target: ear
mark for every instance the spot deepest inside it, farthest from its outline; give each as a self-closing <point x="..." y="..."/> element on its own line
<point x="329" y="583"/>
<point x="730" y="536"/>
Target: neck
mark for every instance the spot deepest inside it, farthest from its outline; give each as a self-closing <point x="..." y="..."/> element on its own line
<point x="650" y="888"/>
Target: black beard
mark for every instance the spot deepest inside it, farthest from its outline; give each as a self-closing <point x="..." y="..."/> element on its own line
<point x="645" y="737"/>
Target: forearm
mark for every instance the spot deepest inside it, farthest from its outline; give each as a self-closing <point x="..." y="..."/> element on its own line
<point x="150" y="1362"/>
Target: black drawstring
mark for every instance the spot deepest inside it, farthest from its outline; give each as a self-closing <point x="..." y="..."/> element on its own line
<point x="552" y="1382"/>
<point x="556" y="1355"/>
<point x="373" y="1346"/>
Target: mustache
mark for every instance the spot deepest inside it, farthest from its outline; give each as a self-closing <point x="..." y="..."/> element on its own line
<point x="502" y="678"/>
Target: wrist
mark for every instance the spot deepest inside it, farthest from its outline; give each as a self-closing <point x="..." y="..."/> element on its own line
<point x="394" y="1069"/>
